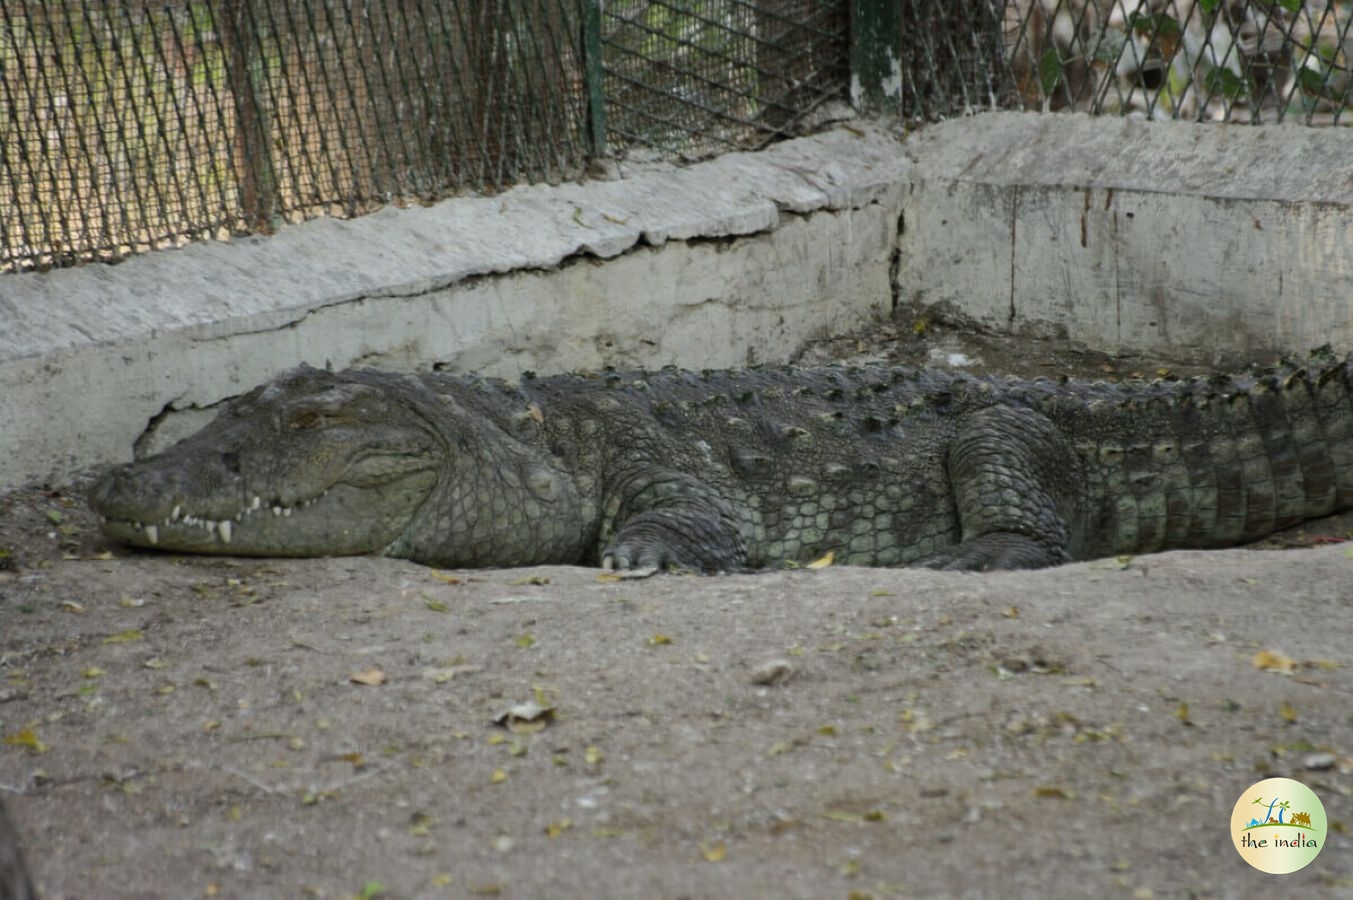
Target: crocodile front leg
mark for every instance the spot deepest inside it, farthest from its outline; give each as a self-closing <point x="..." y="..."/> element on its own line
<point x="1013" y="474"/>
<point x="658" y="519"/>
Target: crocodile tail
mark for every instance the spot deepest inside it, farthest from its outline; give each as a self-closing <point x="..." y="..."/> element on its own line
<point x="1221" y="460"/>
<point x="1280" y="449"/>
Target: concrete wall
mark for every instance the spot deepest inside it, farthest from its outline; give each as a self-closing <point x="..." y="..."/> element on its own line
<point x="1192" y="240"/>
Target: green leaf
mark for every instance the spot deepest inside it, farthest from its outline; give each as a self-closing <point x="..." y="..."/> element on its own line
<point x="1049" y="71"/>
<point x="1159" y="24"/>
<point x="1226" y="83"/>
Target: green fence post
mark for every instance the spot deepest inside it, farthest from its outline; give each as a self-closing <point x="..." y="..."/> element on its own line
<point x="592" y="63"/>
<point x="876" y="55"/>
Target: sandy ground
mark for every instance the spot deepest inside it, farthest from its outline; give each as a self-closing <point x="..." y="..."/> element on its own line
<point x="195" y="727"/>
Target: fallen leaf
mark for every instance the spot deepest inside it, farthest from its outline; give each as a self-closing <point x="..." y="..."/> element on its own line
<point x="1011" y="612"/>
<point x="1181" y="713"/>
<point x="498" y="777"/>
<point x="372" y="677"/>
<point x="554" y="829"/>
<point x="1273" y="661"/>
<point x="1288" y="712"/>
<point x="526" y="641"/>
<point x="1054" y="793"/>
<point x="714" y="852"/>
<point x="446" y="673"/>
<point x="822" y="561"/>
<point x="593" y="756"/>
<point x="659" y="640"/>
<point x="124" y="637"/>
<point x="530" y="579"/>
<point x="447" y="578"/>
<point x="26" y="738"/>
<point x="436" y="606"/>
<point x="525" y="718"/>
<point x="839" y="815"/>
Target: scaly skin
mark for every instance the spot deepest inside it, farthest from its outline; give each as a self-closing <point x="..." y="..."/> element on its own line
<point x="734" y="470"/>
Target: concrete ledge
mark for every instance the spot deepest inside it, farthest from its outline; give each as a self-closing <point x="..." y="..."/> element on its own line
<point x="1186" y="239"/>
<point x="734" y="261"/>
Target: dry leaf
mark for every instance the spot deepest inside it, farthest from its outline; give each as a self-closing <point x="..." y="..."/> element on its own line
<point x="1288" y="712"/>
<point x="371" y="677"/>
<point x="659" y="640"/>
<point x="448" y="579"/>
<point x="554" y="829"/>
<point x="1273" y="661"/>
<point x="714" y="852"/>
<point x="530" y="579"/>
<point x="25" y="738"/>
<point x="124" y="637"/>
<point x="498" y="777"/>
<point x="822" y="561"/>
<point x="525" y="718"/>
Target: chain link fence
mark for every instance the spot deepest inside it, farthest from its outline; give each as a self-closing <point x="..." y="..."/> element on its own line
<point x="1251" y="61"/>
<point x="127" y="125"/>
<point x="140" y="124"/>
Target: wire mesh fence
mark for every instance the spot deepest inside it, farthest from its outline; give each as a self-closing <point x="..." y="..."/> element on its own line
<point x="127" y="125"/>
<point x="697" y="77"/>
<point x="1250" y="61"/>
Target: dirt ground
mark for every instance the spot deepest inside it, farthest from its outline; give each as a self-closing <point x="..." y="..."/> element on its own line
<point x="181" y="726"/>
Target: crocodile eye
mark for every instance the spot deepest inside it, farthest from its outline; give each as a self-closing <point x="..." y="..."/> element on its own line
<point x="307" y="418"/>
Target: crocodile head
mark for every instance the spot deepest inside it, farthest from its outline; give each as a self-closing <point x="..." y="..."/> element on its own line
<point x="310" y="464"/>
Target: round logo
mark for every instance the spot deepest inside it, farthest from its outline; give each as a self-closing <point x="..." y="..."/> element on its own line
<point x="1278" y="826"/>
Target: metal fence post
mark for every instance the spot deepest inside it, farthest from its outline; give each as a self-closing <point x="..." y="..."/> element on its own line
<point x="592" y="64"/>
<point x="876" y="55"/>
<point x="252" y="153"/>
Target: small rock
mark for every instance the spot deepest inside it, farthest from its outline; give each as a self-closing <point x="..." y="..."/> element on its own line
<point x="772" y="671"/>
<point x="1320" y="761"/>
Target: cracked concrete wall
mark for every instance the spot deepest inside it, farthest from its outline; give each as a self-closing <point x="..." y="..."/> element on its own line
<point x="1195" y="240"/>
<point x="733" y="261"/>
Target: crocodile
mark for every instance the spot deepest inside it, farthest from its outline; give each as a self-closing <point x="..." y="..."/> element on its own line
<point x="733" y="470"/>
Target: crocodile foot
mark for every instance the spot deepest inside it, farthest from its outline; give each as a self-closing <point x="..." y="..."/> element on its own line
<point x="994" y="551"/>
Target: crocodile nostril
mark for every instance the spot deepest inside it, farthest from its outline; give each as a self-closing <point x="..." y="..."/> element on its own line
<point x="231" y="462"/>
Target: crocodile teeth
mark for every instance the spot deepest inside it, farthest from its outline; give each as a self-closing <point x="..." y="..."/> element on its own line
<point x="286" y="511"/>
<point x="257" y="504"/>
<point x="152" y="534"/>
<point x="178" y="511"/>
<point x="277" y="510"/>
<point x="225" y="528"/>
